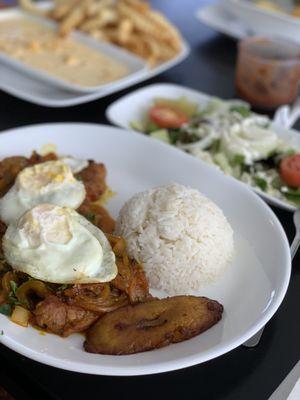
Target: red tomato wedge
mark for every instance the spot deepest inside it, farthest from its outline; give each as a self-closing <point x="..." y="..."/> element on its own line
<point x="167" y="117"/>
<point x="290" y="170"/>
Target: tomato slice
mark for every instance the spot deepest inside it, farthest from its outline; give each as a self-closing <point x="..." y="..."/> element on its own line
<point x="167" y="117"/>
<point x="290" y="170"/>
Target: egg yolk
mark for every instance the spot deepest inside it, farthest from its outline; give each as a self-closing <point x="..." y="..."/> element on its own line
<point x="40" y="176"/>
<point x="43" y="225"/>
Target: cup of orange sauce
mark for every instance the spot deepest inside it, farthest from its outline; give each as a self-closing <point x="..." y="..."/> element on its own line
<point x="268" y="71"/>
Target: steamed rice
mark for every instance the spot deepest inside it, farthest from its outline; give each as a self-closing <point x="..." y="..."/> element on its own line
<point x="181" y="237"/>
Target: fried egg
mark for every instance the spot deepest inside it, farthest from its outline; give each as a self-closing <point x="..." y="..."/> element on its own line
<point x="49" y="182"/>
<point x="58" y="245"/>
<point x="76" y="164"/>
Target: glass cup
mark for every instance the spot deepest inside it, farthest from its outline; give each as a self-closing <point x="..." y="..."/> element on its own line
<point x="268" y="71"/>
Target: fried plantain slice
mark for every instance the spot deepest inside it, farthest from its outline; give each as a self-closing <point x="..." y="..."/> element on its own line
<point x="151" y="325"/>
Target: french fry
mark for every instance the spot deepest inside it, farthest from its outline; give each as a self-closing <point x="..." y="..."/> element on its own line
<point x="91" y="25"/>
<point x="141" y="22"/>
<point x="137" y="45"/>
<point x="131" y="24"/>
<point x="174" y="37"/>
<point x="153" y="49"/>
<point x="106" y="16"/>
<point x="32" y="8"/>
<point x="62" y="9"/>
<point x="96" y="6"/>
<point x="125" y="30"/>
<point x="73" y="19"/>
<point x="99" y="35"/>
<point x="111" y="33"/>
<point x="92" y="9"/>
<point x="140" y="6"/>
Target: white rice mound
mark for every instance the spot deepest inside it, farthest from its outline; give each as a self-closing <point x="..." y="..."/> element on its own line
<point x="180" y="236"/>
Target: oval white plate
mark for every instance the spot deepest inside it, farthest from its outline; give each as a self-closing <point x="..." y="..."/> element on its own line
<point x="251" y="290"/>
<point x="133" y="105"/>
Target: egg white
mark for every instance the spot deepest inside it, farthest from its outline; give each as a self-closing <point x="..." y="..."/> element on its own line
<point x="49" y="182"/>
<point x="76" y="164"/>
<point x="58" y="245"/>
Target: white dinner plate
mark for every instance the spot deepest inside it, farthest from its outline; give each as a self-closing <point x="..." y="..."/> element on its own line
<point x="251" y="289"/>
<point x="131" y="106"/>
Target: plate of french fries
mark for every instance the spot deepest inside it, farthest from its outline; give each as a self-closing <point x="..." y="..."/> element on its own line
<point x="131" y="25"/>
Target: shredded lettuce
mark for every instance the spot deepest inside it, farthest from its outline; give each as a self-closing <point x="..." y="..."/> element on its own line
<point x="137" y="126"/>
<point x="293" y="198"/>
<point x="238" y="159"/>
<point x="260" y="182"/>
<point x="243" y="110"/>
<point x="162" y="135"/>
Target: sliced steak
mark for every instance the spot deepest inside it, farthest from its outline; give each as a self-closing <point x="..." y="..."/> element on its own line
<point x="56" y="316"/>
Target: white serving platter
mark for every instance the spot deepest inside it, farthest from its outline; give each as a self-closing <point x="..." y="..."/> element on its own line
<point x="239" y="19"/>
<point x="135" y="65"/>
<point x="263" y="21"/>
<point x="251" y="289"/>
<point x="131" y="106"/>
<point x="42" y="92"/>
<point x="218" y="17"/>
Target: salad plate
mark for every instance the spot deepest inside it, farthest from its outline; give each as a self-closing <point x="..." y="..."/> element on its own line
<point x="251" y="290"/>
<point x="134" y="106"/>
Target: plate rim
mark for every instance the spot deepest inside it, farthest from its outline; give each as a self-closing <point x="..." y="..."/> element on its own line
<point x="275" y="15"/>
<point x="169" y="365"/>
<point x="88" y="97"/>
<point x="206" y="15"/>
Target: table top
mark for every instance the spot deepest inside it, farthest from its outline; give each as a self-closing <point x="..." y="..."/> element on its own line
<point x="241" y="374"/>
